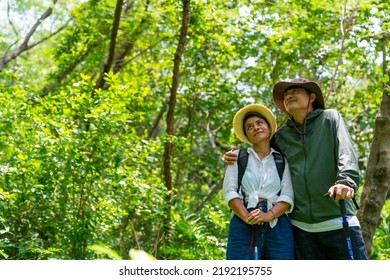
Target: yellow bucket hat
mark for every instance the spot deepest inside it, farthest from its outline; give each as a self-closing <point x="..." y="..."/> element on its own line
<point x="238" y="121"/>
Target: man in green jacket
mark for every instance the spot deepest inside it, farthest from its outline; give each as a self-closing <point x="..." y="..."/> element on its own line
<point x="323" y="164"/>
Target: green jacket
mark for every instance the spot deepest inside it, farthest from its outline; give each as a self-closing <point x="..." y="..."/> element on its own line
<point x="324" y="158"/>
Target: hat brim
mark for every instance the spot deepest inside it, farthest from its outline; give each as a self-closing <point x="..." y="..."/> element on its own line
<point x="281" y="87"/>
<point x="238" y="121"/>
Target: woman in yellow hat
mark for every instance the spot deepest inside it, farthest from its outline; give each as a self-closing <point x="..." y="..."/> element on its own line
<point x="263" y="199"/>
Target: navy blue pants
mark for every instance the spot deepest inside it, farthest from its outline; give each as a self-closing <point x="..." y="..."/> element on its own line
<point x="328" y="245"/>
<point x="273" y="243"/>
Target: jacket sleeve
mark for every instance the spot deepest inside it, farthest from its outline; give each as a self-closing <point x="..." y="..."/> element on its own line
<point x="287" y="193"/>
<point x="348" y="168"/>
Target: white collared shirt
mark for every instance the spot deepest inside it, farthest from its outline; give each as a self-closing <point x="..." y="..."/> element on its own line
<point x="260" y="179"/>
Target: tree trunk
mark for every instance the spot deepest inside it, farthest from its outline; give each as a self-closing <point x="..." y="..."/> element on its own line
<point x="170" y="117"/>
<point x="172" y="99"/>
<point x="378" y="169"/>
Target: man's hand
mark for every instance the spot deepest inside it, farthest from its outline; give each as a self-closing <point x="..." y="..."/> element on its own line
<point x="230" y="157"/>
<point x="341" y="191"/>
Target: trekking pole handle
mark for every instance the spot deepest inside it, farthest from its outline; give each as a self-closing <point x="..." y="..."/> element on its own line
<point x="342" y="208"/>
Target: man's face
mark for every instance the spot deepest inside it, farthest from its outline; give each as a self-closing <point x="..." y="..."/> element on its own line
<point x="296" y="99"/>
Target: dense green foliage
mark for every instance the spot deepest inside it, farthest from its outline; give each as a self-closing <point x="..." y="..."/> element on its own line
<point x="381" y="244"/>
<point x="81" y="167"/>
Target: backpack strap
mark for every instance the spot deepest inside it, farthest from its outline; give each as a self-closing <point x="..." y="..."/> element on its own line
<point x="279" y="161"/>
<point x="273" y="143"/>
<point x="242" y="162"/>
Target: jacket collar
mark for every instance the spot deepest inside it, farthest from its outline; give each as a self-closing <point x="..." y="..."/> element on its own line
<point x="309" y="118"/>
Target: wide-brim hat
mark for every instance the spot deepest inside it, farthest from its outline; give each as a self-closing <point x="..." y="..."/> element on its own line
<point x="238" y="121"/>
<point x="281" y="87"/>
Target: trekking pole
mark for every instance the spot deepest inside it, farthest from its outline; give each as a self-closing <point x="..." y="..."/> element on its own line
<point x="258" y="230"/>
<point x="256" y="241"/>
<point x="347" y="233"/>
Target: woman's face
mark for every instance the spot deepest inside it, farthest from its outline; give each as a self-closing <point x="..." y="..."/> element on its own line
<point x="257" y="129"/>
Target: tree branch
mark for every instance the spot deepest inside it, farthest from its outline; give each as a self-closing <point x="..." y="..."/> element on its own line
<point x="69" y="69"/>
<point x="114" y="32"/>
<point x="129" y="45"/>
<point x="24" y="45"/>
<point x="344" y="27"/>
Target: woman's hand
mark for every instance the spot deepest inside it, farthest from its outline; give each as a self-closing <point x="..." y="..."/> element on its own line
<point x="258" y="217"/>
